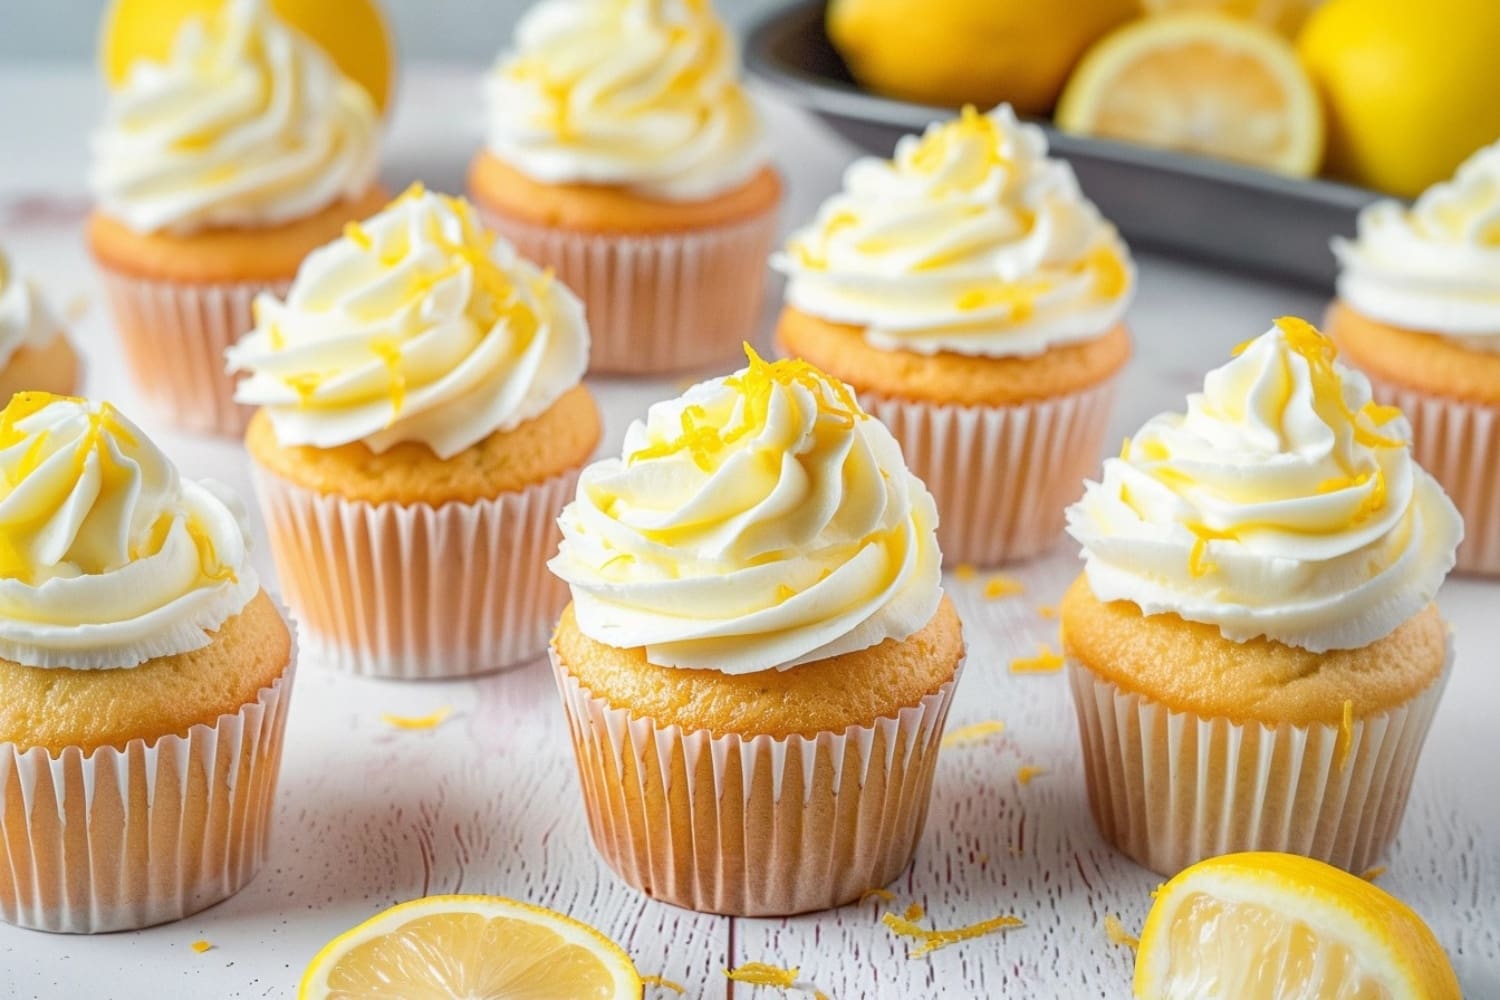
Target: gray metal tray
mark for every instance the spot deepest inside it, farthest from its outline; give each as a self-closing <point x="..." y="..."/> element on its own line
<point x="1190" y="205"/>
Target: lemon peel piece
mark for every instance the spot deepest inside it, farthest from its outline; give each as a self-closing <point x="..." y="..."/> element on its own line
<point x="429" y="721"/>
<point x="976" y="732"/>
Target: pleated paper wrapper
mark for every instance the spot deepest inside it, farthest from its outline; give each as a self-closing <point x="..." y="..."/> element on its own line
<point x="660" y="302"/>
<point x="417" y="592"/>
<point x="175" y="336"/>
<point x="116" y="839"/>
<point x="1170" y="789"/>
<point x="1459" y="443"/>
<point x="754" y="826"/>
<point x="1001" y="476"/>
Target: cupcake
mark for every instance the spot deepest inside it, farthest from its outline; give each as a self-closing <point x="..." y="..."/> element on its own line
<point x="758" y="658"/>
<point x="215" y="173"/>
<point x="1253" y="649"/>
<point x="34" y="354"/>
<point x="1418" y="310"/>
<point x="144" y="678"/>
<point x="623" y="152"/>
<point x="422" y="422"/>
<point x="973" y="298"/>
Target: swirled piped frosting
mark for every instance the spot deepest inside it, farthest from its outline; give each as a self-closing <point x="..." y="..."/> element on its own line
<point x="758" y="522"/>
<point x="971" y="240"/>
<point x="416" y="325"/>
<point x="642" y="94"/>
<point x="248" y="123"/>
<point x="1434" y="267"/>
<point x="1284" y="503"/>
<point x="107" y="557"/>
<point x="25" y="320"/>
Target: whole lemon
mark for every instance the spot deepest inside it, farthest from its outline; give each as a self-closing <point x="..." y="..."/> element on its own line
<point x="970" y="51"/>
<point x="1410" y="89"/>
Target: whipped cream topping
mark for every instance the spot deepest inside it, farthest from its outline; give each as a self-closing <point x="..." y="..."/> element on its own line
<point x="417" y="325"/>
<point x="25" y="320"/>
<point x="1284" y="503"/>
<point x="642" y="94"/>
<point x="1434" y="268"/>
<point x="971" y="240"/>
<point x="247" y="124"/>
<point x="758" y="522"/>
<point x="107" y="557"/>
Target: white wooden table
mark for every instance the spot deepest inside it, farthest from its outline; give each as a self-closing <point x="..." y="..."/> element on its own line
<point x="488" y="802"/>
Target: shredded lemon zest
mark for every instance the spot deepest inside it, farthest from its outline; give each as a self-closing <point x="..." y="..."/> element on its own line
<point x="999" y="586"/>
<point x="1117" y="933"/>
<point x="1044" y="662"/>
<point x="359" y="236"/>
<point x="914" y="912"/>
<point x="663" y="983"/>
<point x="884" y="895"/>
<point x="931" y="940"/>
<point x="1371" y="874"/>
<point x="764" y="974"/>
<point x="1026" y="772"/>
<point x="965" y="572"/>
<point x="1346" y="734"/>
<point x="1047" y="610"/>
<point x="430" y="721"/>
<point x="1125" y="448"/>
<point x="784" y="593"/>
<point x="976" y="732"/>
<point x="201" y="946"/>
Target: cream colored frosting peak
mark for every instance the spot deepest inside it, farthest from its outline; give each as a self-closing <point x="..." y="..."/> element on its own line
<point x="25" y="320"/>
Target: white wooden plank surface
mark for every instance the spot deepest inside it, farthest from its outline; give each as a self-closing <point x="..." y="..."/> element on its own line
<point x="488" y="802"/>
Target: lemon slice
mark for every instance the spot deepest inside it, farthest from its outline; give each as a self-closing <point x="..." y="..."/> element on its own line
<point x="442" y="947"/>
<point x="1263" y="926"/>
<point x="1201" y="83"/>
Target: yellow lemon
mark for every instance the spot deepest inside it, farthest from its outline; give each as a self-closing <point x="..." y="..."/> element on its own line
<point x="1411" y="88"/>
<point x="970" y="51"/>
<point x="1264" y="926"/>
<point x="352" y="32"/>
<point x="1285" y="16"/>
<point x="1200" y="83"/>
<point x="471" y="946"/>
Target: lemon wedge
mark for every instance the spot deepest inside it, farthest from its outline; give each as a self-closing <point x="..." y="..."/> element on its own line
<point x="1201" y="83"/>
<point x="1265" y="926"/>
<point x="471" y="946"/>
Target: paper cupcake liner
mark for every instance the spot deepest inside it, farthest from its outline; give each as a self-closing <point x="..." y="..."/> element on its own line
<point x="415" y="592"/>
<point x="1002" y="476"/>
<point x="1169" y="789"/>
<point x="1459" y="443"/>
<point x="116" y="840"/>
<point x="754" y="826"/>
<point x="175" y="336"/>
<point x="657" y="303"/>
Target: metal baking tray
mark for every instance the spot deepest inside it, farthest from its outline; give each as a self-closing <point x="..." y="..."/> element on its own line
<point x="1194" y="206"/>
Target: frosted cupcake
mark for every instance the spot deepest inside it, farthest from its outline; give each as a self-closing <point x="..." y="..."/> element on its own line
<point x="623" y="152"/>
<point x="422" y="424"/>
<point x="758" y="658"/>
<point x="144" y="678"/>
<point x="34" y="354"/>
<point x="215" y="173"/>
<point x="1418" y="310"/>
<point x="1253" y="649"/>
<point x="974" y="299"/>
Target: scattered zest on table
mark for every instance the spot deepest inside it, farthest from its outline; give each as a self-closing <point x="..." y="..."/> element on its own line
<point x="965" y="572"/>
<point x="1044" y="662"/>
<point x="665" y="984"/>
<point x="1048" y="611"/>
<point x="1003" y="586"/>
<point x="429" y="721"/>
<point x="976" y="732"/>
<point x="1118" y="934"/>
<point x="201" y="946"/>
<point x="1371" y="874"/>
<point x="884" y="895"/>
<point x="1346" y="734"/>
<point x="1026" y="772"/>
<point x="930" y="940"/>
<point x="764" y="974"/>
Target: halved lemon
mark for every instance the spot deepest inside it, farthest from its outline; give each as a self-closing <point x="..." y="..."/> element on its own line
<point x="1200" y="83"/>
<point x="443" y="947"/>
<point x="1266" y="926"/>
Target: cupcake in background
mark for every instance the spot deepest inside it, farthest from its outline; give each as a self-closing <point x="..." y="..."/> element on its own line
<point x="144" y="678"/>
<point x="1253" y="649"/>
<point x="215" y="172"/>
<point x="34" y="354"/>
<point x="758" y="659"/>
<point x="422" y="424"/>
<point x="1418" y="310"/>
<point x="623" y="152"/>
<point x="974" y="299"/>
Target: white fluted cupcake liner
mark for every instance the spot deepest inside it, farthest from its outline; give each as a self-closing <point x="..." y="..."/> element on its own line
<point x="1001" y="476"/>
<point x="119" y="839"/>
<point x="1459" y="443"/>
<point x="413" y="591"/>
<point x="1170" y="789"/>
<point x="754" y="826"/>
<point x="661" y="302"/>
<point x="175" y="336"/>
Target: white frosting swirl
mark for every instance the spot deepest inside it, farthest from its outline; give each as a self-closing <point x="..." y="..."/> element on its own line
<point x="25" y="320"/>
<point x="418" y="325"/>
<point x="1436" y="267"/>
<point x="760" y="521"/>
<point x="642" y="94"/>
<point x="1284" y="504"/>
<point x="247" y="124"/>
<point x="107" y="557"/>
<point x="971" y="240"/>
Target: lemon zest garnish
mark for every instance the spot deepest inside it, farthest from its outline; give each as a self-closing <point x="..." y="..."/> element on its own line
<point x="623" y="558"/>
<point x="914" y="912"/>
<point x="390" y="353"/>
<point x="1044" y="662"/>
<point x="1026" y="772"/>
<point x="1371" y="874"/>
<point x="201" y="946"/>
<point x="429" y="721"/>
<point x="1202" y="535"/>
<point x="1047" y="610"/>
<point x="976" y="732"/>
<point x="1346" y="734"/>
<point x="965" y="572"/>
<point x="884" y="895"/>
<point x="359" y="236"/>
<point x="1319" y="352"/>
<point x="1125" y="448"/>
<point x="784" y="593"/>
<point x="764" y="974"/>
<point x="1117" y="933"/>
<point x="932" y="940"/>
<point x="663" y="983"/>
<point x="1002" y="586"/>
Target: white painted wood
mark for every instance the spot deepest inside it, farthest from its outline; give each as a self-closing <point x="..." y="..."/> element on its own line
<point x="488" y="802"/>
